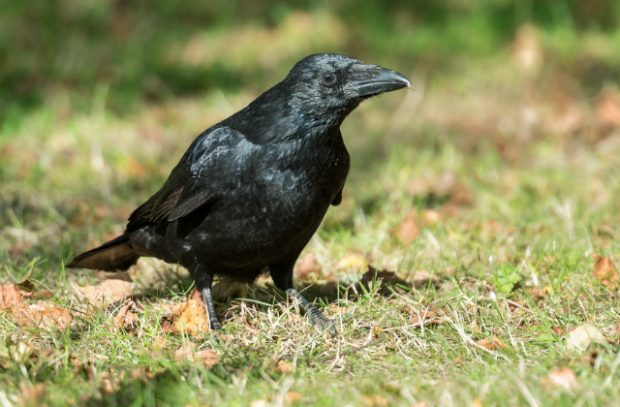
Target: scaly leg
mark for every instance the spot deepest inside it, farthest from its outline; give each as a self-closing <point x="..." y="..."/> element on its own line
<point x="282" y="276"/>
<point x="204" y="283"/>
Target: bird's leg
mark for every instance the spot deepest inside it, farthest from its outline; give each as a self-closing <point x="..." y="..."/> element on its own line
<point x="282" y="276"/>
<point x="205" y="283"/>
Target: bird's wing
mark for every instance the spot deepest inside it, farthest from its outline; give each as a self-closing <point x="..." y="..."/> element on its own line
<point x="213" y="164"/>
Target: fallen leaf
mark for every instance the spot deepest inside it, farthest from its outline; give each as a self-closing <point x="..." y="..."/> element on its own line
<point x="354" y="262"/>
<point x="33" y="395"/>
<point x="284" y="367"/>
<point x="493" y="343"/>
<point x="562" y="377"/>
<point x="375" y="401"/>
<point x="427" y="317"/>
<point x="188" y="317"/>
<point x="187" y="352"/>
<point x="109" y="383"/>
<point x="10" y="296"/>
<point x="408" y="231"/>
<point x="605" y="271"/>
<point x="124" y="318"/>
<point x="43" y="314"/>
<point x="293" y="396"/>
<point x="608" y="108"/>
<point x="583" y="336"/>
<point x="430" y="217"/>
<point x="106" y="292"/>
<point x="308" y="266"/>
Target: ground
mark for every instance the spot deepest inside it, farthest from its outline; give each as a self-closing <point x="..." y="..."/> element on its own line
<point x="473" y="261"/>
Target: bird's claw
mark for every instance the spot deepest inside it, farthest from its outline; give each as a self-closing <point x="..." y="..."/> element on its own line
<point x="323" y="324"/>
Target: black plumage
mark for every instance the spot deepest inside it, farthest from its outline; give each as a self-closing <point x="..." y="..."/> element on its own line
<point x="250" y="191"/>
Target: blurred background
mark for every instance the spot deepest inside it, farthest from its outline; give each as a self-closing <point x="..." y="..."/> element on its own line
<point x="514" y="111"/>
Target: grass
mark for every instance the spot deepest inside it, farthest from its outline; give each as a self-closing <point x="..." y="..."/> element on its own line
<point x="509" y="174"/>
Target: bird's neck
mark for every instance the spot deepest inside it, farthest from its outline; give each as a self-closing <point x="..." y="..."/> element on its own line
<point x="276" y="116"/>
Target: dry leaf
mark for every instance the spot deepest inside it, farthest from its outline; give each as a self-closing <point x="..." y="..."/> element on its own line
<point x="10" y="296"/>
<point x="427" y="317"/>
<point x="189" y="317"/>
<point x="608" y="108"/>
<point x="42" y="314"/>
<point x="186" y="352"/>
<point x="430" y="217"/>
<point x="408" y="231"/>
<point x="375" y="401"/>
<point x="124" y="318"/>
<point x="355" y="262"/>
<point x="605" y="271"/>
<point x="284" y="367"/>
<point x="493" y="343"/>
<point x="293" y="396"/>
<point x="308" y="266"/>
<point x="106" y="292"/>
<point x="32" y="396"/>
<point x="581" y="337"/>
<point x="109" y="383"/>
<point x="562" y="377"/>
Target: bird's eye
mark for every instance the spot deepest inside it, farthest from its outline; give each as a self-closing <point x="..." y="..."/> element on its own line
<point x="328" y="79"/>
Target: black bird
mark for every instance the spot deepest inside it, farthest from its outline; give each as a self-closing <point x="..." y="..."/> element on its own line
<point x="250" y="191"/>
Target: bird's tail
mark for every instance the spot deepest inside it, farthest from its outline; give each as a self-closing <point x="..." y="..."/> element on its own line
<point x="115" y="255"/>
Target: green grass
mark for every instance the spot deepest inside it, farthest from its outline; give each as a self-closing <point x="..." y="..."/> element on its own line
<point x="511" y="199"/>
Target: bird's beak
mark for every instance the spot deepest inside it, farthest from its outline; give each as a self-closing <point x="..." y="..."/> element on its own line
<point x="370" y="80"/>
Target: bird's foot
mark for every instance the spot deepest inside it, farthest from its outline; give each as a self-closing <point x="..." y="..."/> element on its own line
<point x="317" y="319"/>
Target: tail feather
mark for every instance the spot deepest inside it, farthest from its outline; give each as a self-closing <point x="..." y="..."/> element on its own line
<point x="115" y="255"/>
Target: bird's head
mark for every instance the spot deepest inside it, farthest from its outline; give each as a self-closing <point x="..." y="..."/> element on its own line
<point x="330" y="86"/>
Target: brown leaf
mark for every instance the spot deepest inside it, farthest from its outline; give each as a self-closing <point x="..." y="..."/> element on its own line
<point x="605" y="271"/>
<point x="124" y="318"/>
<point x="408" y="231"/>
<point x="284" y="367"/>
<point x="424" y="318"/>
<point x="608" y="108"/>
<point x="187" y="352"/>
<point x="430" y="217"/>
<point x="43" y="314"/>
<point x="109" y="382"/>
<point x="32" y="396"/>
<point x="106" y="292"/>
<point x="308" y="266"/>
<point x="10" y="296"/>
<point x="375" y="401"/>
<point x="293" y="396"/>
<point x="562" y="377"/>
<point x="493" y="343"/>
<point x="189" y="317"/>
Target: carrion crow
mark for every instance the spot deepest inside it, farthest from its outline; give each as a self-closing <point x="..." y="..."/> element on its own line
<point x="250" y="191"/>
